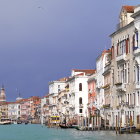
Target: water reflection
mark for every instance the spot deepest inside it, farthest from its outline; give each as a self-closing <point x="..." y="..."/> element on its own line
<point x="37" y="132"/>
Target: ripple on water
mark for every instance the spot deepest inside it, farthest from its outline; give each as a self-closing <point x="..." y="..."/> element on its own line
<point x="37" y="132"/>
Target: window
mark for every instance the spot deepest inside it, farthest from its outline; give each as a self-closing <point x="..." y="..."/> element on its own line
<point x="128" y="73"/>
<point x="125" y="73"/>
<point x="138" y="98"/>
<point x="80" y="110"/>
<point x="80" y="87"/>
<point x="133" y="98"/>
<point x="138" y="77"/>
<point x="128" y="99"/>
<point x="138" y="119"/>
<point x="134" y="74"/>
<point x="80" y="100"/>
<point x="113" y="77"/>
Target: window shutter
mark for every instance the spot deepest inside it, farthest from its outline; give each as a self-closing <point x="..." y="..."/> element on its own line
<point x="126" y="46"/>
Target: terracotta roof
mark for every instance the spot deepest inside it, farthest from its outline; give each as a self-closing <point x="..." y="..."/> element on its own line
<point x="129" y="9"/>
<point x="63" y="79"/>
<point x="23" y="100"/>
<point x="81" y="74"/>
<point x="86" y="71"/>
<point x="34" y="97"/>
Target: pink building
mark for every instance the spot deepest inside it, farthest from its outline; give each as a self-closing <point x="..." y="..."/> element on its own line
<point x="91" y="95"/>
<point x="25" y="109"/>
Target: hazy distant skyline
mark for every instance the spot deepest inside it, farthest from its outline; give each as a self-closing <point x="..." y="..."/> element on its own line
<point x="42" y="40"/>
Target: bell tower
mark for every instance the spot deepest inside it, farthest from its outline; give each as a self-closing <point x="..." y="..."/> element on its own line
<point x="2" y="95"/>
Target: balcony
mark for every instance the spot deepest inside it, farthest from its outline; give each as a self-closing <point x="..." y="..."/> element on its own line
<point x="118" y="107"/>
<point x="106" y="86"/>
<point x="106" y="106"/>
<point x="121" y="87"/>
<point x="121" y="58"/>
<point x="136" y="50"/>
<point x="131" y="106"/>
<point x="137" y="85"/>
<point x="81" y="106"/>
<point x="71" y="106"/>
<point x="107" y="68"/>
<point x="123" y="103"/>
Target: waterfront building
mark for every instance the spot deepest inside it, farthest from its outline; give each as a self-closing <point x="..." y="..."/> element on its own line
<point x="107" y="107"/>
<point x="63" y="106"/>
<point x="100" y="68"/>
<point x="54" y="88"/>
<point x="92" y="103"/>
<point x="92" y="95"/>
<point x="44" y="109"/>
<point x="78" y="94"/>
<point x="3" y="110"/>
<point x="14" y="110"/>
<point x="136" y="49"/>
<point x="25" y="109"/>
<point x="35" y="109"/>
<point x="125" y="68"/>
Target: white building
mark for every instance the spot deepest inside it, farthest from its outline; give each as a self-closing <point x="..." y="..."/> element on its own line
<point x="136" y="17"/>
<point x="100" y="68"/>
<point x="54" y="88"/>
<point x="13" y="110"/>
<point x="78" y="92"/>
<point x="44" y="109"/>
<point x="125" y="62"/>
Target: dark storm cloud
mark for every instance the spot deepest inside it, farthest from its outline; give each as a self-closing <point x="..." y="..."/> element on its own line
<point x="42" y="40"/>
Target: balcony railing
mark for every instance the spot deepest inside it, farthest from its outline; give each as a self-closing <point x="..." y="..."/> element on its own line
<point x="138" y="85"/>
<point x="107" y="67"/>
<point x="71" y="106"/>
<point x="131" y="106"/>
<point x="106" y="86"/>
<point x="136" y="50"/>
<point x="106" y="106"/>
<point x="121" y="57"/>
<point x="121" y="87"/>
<point x="81" y="105"/>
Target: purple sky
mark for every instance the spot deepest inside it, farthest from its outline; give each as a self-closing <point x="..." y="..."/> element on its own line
<point x="42" y="40"/>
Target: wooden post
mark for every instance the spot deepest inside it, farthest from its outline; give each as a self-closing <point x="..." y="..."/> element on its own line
<point x="78" y="121"/>
<point x="116" y="124"/>
<point x="82" y="121"/>
<point x="92" y="122"/>
<point x="130" y="124"/>
<point x="88" y="123"/>
<point x="105" y="122"/>
<point x="98" y="123"/>
<point x="85" y="121"/>
<point x="120" y="124"/>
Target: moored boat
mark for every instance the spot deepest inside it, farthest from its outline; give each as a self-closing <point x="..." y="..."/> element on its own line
<point x="5" y="122"/>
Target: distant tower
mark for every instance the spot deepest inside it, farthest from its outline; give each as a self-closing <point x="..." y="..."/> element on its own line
<point x="19" y="97"/>
<point x="2" y="95"/>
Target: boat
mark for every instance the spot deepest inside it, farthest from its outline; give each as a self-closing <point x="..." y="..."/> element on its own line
<point x="66" y="126"/>
<point x="19" y="122"/>
<point x="81" y="128"/>
<point x="5" y="122"/>
<point x="63" y="126"/>
<point x="128" y="129"/>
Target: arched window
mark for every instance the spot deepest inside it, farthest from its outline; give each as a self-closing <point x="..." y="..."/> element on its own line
<point x="80" y="87"/>
<point x="80" y="100"/>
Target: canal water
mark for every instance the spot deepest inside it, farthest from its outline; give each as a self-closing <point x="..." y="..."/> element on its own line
<point x="38" y="132"/>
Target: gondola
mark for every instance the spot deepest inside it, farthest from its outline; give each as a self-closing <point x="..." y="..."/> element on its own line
<point x="65" y="126"/>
